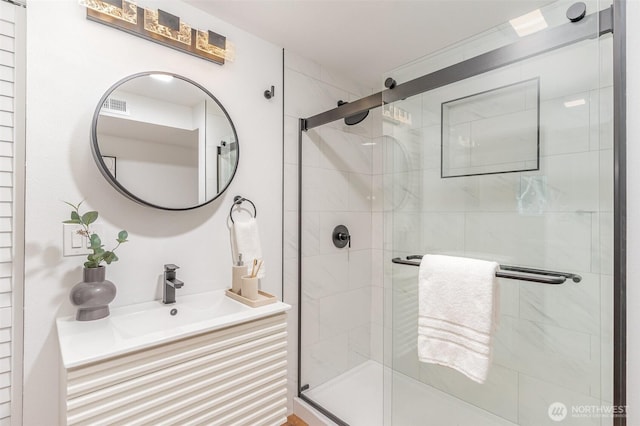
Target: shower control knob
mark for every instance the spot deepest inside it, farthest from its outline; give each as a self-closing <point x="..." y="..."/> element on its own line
<point x="341" y="236"/>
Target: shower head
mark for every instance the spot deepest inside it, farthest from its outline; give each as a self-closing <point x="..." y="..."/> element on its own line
<point x="353" y="119"/>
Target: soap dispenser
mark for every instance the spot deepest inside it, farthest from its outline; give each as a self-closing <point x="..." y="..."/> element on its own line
<point x="239" y="270"/>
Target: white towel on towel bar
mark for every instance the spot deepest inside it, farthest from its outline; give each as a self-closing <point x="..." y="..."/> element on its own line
<point x="245" y="239"/>
<point x="457" y="313"/>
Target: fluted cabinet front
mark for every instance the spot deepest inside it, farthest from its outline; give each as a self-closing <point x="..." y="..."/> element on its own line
<point x="237" y="375"/>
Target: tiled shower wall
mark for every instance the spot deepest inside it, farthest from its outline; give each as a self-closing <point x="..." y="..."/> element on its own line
<point x="553" y="343"/>
<point x="338" y="171"/>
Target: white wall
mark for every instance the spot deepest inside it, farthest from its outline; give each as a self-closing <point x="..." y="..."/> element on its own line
<point x="71" y="63"/>
<point x="633" y="213"/>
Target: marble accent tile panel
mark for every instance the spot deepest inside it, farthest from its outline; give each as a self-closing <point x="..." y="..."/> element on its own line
<point x="535" y="397"/>
<point x="325" y="275"/>
<point x="574" y="306"/>
<point x="556" y="355"/>
<point x="325" y="359"/>
<point x="302" y="65"/>
<point x="555" y="241"/>
<point x="564" y="130"/>
<point x="324" y="190"/>
<point x="301" y="88"/>
<point x="498" y="395"/>
<point x="344" y="311"/>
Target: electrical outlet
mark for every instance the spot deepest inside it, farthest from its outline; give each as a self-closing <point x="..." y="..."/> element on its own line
<point x="75" y="244"/>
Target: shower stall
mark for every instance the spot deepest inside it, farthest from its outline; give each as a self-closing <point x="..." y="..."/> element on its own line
<point x="498" y="148"/>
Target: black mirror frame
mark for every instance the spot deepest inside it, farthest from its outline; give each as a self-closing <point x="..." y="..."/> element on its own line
<point x="97" y="156"/>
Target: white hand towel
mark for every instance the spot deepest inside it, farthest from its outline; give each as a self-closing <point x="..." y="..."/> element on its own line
<point x="457" y="313"/>
<point x="245" y="239"/>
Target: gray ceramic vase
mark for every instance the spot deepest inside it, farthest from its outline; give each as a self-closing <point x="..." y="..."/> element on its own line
<point x="93" y="294"/>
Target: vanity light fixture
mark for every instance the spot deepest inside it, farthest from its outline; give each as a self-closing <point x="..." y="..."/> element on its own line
<point x="119" y="9"/>
<point x="529" y="23"/>
<point x="161" y="27"/>
<point x="167" y="25"/>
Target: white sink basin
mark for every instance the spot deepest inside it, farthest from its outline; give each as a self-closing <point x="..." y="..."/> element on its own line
<point x="138" y="326"/>
<point x="158" y="318"/>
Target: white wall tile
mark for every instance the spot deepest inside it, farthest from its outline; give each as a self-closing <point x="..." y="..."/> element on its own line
<point x="360" y="269"/>
<point x="535" y="397"/>
<point x="325" y="274"/>
<point x="324" y="190"/>
<point x="575" y="306"/>
<point x="560" y="241"/>
<point x="498" y="395"/>
<point x="300" y="88"/>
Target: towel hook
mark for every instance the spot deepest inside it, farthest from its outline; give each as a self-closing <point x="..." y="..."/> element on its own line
<point x="237" y="200"/>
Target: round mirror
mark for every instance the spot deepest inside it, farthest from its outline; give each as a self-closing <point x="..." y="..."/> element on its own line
<point x="164" y="141"/>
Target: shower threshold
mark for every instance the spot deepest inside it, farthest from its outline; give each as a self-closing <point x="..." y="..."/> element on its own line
<point x="356" y="397"/>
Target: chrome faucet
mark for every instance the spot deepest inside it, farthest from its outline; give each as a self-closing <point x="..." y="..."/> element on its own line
<point x="170" y="284"/>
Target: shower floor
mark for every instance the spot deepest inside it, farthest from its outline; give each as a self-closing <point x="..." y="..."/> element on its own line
<point x="357" y="398"/>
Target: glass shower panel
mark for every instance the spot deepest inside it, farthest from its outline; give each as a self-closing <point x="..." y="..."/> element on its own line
<point x="340" y="367"/>
<point x="553" y="345"/>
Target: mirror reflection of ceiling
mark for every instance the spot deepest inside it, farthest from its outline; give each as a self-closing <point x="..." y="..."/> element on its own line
<point x="165" y="143"/>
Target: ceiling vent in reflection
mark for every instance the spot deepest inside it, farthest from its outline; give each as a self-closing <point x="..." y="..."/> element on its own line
<point x="115" y="106"/>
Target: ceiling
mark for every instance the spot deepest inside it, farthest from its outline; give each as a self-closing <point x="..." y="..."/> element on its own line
<point x="363" y="39"/>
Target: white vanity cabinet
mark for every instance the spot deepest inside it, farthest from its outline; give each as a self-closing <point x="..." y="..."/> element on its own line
<point x="235" y="375"/>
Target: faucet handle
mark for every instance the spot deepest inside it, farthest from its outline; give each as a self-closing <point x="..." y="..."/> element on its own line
<point x="170" y="267"/>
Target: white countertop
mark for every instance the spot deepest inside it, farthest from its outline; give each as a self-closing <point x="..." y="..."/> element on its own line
<point x="143" y="325"/>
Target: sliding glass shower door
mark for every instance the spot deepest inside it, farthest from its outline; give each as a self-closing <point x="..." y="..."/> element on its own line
<point x="514" y="165"/>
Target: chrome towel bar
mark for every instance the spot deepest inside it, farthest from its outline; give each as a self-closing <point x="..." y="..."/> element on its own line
<point x="511" y="272"/>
